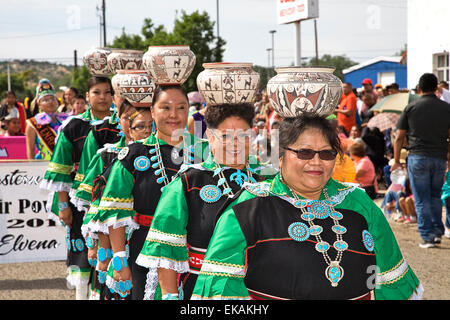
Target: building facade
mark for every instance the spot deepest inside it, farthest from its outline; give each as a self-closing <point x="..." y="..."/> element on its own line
<point x="428" y="39"/>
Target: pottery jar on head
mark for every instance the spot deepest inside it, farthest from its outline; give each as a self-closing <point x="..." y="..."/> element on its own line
<point x="123" y="59"/>
<point x="96" y="60"/>
<point x="169" y="64"/>
<point x="295" y="90"/>
<point x="225" y="82"/>
<point x="137" y="86"/>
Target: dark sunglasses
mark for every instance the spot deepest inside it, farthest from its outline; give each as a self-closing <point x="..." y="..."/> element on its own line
<point x="308" y="154"/>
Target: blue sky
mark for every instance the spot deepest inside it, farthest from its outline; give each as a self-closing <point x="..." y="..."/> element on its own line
<point x="52" y="29"/>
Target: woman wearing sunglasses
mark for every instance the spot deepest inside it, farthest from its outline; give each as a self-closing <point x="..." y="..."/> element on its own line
<point x="304" y="235"/>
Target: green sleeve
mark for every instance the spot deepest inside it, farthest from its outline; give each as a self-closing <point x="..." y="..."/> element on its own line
<point x="83" y="195"/>
<point x="116" y="205"/>
<point x="166" y="245"/>
<point x="393" y="278"/>
<point x="57" y="177"/>
<point x="89" y="150"/>
<point x="224" y="268"/>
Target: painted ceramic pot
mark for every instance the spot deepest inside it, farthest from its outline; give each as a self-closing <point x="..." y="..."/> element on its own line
<point x="295" y="90"/>
<point x="115" y="81"/>
<point x="225" y="82"/>
<point x="121" y="59"/>
<point x="96" y="60"/>
<point x="137" y="86"/>
<point x="169" y="64"/>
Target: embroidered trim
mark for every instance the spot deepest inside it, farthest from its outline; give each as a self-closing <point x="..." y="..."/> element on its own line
<point x="59" y="168"/>
<point x="79" y="177"/>
<point x="166" y="238"/>
<point x="394" y="274"/>
<point x="116" y="204"/>
<point x="85" y="187"/>
<point x="222" y="269"/>
<point x="162" y="262"/>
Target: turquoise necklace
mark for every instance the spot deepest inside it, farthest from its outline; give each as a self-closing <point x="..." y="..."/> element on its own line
<point x="299" y="231"/>
<point x="143" y="163"/>
<point x="211" y="193"/>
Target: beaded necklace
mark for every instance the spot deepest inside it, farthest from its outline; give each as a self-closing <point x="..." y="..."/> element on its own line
<point x="142" y="163"/>
<point x="298" y="231"/>
<point x="211" y="193"/>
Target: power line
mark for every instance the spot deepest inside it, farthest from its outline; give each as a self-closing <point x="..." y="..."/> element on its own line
<point x="46" y="33"/>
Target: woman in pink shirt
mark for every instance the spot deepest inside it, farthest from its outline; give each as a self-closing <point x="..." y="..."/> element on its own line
<point x="365" y="170"/>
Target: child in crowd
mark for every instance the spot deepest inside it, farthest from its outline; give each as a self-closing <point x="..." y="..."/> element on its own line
<point x="78" y="105"/>
<point x="12" y="124"/>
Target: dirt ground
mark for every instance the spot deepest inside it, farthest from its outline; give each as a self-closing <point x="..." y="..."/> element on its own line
<point x="46" y="280"/>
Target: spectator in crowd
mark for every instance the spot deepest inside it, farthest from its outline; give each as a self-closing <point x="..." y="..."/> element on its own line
<point x="344" y="169"/>
<point x="365" y="170"/>
<point x="12" y="104"/>
<point x="78" y="105"/>
<point x="426" y="124"/>
<point x="368" y="103"/>
<point x="393" y="88"/>
<point x="42" y="129"/>
<point x="406" y="201"/>
<point x="446" y="201"/>
<point x="375" y="148"/>
<point x="264" y="109"/>
<point x="12" y="124"/>
<point x="257" y="101"/>
<point x="368" y="88"/>
<point x="379" y="91"/>
<point x="442" y="92"/>
<point x="346" y="112"/>
<point x="69" y="94"/>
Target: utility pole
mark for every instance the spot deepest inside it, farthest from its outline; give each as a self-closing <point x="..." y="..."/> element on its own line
<point x="217" y="14"/>
<point x="268" y="57"/>
<point x="104" y="22"/>
<point x="298" y="51"/>
<point x="316" y="40"/>
<point x="75" y="59"/>
<point x="9" y="77"/>
<point x="273" y="49"/>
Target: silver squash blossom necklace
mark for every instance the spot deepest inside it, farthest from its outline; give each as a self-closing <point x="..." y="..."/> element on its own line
<point x="299" y="231"/>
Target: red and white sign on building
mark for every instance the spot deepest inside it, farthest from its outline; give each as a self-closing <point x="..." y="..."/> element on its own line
<point x="289" y="11"/>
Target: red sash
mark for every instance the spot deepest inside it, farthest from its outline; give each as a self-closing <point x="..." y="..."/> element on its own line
<point x="143" y="220"/>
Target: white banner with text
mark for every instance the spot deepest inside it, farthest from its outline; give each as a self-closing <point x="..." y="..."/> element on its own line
<point x="26" y="232"/>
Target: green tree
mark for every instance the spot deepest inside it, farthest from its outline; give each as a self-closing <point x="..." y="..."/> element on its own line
<point x="80" y="79"/>
<point x="18" y="84"/>
<point x="195" y="30"/>
<point x="338" y="62"/>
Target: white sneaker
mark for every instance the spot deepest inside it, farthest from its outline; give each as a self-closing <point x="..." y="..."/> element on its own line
<point x="447" y="233"/>
<point x="397" y="215"/>
<point x="427" y="244"/>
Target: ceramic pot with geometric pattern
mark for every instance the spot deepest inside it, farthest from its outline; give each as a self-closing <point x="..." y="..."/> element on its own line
<point x="295" y="90"/>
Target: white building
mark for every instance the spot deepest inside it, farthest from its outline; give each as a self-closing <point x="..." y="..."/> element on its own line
<point x="428" y="39"/>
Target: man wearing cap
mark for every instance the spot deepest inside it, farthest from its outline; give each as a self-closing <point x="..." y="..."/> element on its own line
<point x="368" y="88"/>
